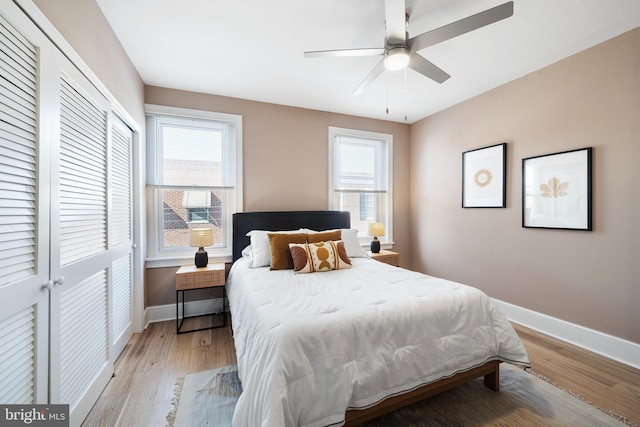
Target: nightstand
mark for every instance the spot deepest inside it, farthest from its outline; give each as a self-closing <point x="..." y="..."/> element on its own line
<point x="388" y="257"/>
<point x="189" y="278"/>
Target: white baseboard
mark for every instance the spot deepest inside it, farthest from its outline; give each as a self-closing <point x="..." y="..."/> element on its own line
<point x="609" y="346"/>
<point x="606" y="345"/>
<point x="161" y="313"/>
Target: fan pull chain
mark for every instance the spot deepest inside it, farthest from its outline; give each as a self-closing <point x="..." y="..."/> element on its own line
<point x="387" y="92"/>
<point x="405" y="88"/>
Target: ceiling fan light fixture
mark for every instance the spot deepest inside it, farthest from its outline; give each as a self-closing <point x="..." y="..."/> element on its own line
<point x="396" y="58"/>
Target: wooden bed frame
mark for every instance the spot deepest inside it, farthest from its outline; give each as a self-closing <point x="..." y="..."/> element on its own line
<point x="327" y="220"/>
<point x="490" y="370"/>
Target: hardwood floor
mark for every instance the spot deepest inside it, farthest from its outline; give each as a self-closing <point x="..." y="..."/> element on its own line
<point x="141" y="391"/>
<point x="607" y="384"/>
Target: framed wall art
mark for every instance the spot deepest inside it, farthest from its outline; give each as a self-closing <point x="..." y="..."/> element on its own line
<point x="484" y="177"/>
<point x="556" y="190"/>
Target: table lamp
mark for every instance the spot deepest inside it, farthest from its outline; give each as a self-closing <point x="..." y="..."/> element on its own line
<point x="376" y="229"/>
<point x="201" y="237"/>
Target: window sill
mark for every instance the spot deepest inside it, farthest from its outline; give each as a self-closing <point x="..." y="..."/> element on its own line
<point x="383" y="245"/>
<point x="180" y="261"/>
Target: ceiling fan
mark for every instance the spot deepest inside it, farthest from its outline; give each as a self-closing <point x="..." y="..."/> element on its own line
<point x="400" y="51"/>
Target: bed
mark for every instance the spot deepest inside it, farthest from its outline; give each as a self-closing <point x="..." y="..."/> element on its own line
<point x="346" y="346"/>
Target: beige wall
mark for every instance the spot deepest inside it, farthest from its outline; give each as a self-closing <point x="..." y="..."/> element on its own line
<point x="592" y="279"/>
<point x="85" y="28"/>
<point x="285" y="162"/>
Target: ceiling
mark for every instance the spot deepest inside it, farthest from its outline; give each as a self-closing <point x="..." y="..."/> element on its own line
<point x="253" y="49"/>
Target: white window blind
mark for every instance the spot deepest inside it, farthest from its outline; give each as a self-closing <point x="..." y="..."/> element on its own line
<point x="360" y="165"/>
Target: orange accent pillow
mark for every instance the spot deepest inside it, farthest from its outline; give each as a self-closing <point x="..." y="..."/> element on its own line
<point x="324" y="236"/>
<point x="279" y="248"/>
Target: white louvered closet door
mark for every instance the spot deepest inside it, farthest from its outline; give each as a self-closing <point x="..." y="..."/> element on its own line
<point x="121" y="242"/>
<point x="80" y="258"/>
<point x="24" y="225"/>
<point x="66" y="258"/>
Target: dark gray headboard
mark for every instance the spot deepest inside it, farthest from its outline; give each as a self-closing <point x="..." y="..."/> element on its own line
<point x="283" y="220"/>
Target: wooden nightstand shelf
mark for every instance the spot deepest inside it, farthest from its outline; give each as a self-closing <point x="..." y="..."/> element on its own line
<point x="388" y="257"/>
<point x="189" y="278"/>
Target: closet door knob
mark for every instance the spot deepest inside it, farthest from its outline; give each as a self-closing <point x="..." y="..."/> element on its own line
<point x="48" y="286"/>
<point x="59" y="281"/>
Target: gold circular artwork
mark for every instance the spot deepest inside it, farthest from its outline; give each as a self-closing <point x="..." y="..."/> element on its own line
<point x="482" y="178"/>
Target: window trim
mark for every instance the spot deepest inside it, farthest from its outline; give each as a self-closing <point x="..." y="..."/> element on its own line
<point x="386" y="241"/>
<point x="165" y="257"/>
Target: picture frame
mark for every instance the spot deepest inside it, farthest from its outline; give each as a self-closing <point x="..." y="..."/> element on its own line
<point x="556" y="190"/>
<point x="484" y="177"/>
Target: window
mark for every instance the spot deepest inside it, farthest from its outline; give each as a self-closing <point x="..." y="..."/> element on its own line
<point x="198" y="215"/>
<point x="360" y="179"/>
<point x="194" y="178"/>
<point x="367" y="207"/>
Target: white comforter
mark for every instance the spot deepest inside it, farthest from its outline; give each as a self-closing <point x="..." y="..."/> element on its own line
<point x="309" y="346"/>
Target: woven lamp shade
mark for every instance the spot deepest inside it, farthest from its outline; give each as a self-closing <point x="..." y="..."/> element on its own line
<point x="376" y="229"/>
<point x="201" y="237"/>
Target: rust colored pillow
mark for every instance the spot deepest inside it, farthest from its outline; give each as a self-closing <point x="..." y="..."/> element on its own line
<point x="279" y="248"/>
<point x="302" y="261"/>
<point x="324" y="236"/>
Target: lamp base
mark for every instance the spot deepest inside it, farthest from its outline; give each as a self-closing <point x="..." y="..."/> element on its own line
<point x="202" y="258"/>
<point x="375" y="245"/>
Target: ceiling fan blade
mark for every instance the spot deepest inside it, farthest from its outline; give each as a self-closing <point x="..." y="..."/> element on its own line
<point x="395" y="18"/>
<point x="344" y="52"/>
<point x="427" y="68"/>
<point x="462" y="26"/>
<point x="371" y="77"/>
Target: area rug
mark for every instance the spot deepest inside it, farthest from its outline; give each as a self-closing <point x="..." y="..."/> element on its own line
<point x="208" y="399"/>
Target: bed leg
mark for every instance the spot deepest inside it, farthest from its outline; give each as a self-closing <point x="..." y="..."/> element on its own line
<point x="492" y="379"/>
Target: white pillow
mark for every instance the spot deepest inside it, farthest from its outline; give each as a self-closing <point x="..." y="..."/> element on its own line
<point x="246" y="252"/>
<point x="351" y="242"/>
<point x="260" y="252"/>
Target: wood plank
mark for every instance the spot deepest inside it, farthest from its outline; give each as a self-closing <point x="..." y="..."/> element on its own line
<point x="607" y="384"/>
